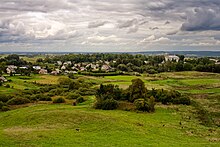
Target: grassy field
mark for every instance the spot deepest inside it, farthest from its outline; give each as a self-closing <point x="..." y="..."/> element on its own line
<point x="65" y="125"/>
<point x="57" y="125"/>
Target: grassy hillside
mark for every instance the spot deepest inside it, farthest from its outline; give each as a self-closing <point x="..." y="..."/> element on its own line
<point x="65" y="125"/>
<point x="57" y="125"/>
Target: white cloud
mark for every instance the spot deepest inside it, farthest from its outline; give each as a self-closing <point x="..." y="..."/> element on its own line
<point x="70" y="24"/>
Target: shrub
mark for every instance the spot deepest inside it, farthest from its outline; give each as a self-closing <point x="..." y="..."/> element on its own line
<point x="18" y="101"/>
<point x="45" y="98"/>
<point x="5" y="98"/>
<point x="86" y="91"/>
<point x="80" y="100"/>
<point x="73" y="95"/>
<point x="182" y="100"/>
<point x="151" y="103"/>
<point x="59" y="100"/>
<point x="108" y="104"/>
<point x="5" y="108"/>
<point x="7" y="86"/>
<point x="142" y="105"/>
<point x="1" y="104"/>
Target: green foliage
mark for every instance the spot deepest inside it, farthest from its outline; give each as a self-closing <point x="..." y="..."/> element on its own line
<point x="59" y="100"/>
<point x="1" y="104"/>
<point x="80" y="100"/>
<point x="74" y="85"/>
<point x="7" y="86"/>
<point x="142" y="104"/>
<point x="145" y="104"/>
<point x="73" y="95"/>
<point x="18" y="101"/>
<point x="137" y="89"/>
<point x="4" y="98"/>
<point x="64" y="81"/>
<point x="41" y="97"/>
<point x="106" y="104"/>
<point x="182" y="100"/>
<point x="5" y="108"/>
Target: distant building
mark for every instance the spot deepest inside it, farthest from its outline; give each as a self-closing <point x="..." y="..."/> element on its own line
<point x="172" y="58"/>
<point x="43" y="71"/>
<point x="54" y="73"/>
<point x="23" y="67"/>
<point x="92" y="66"/>
<point x="3" y="79"/>
<point x="11" y="69"/>
<point x="59" y="63"/>
<point x="105" y="67"/>
<point x="63" y="67"/>
<point x="214" y="60"/>
<point x="37" y="67"/>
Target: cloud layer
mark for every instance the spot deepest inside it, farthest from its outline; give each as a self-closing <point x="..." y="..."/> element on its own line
<point x="109" y="25"/>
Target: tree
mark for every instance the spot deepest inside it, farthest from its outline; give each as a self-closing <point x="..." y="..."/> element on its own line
<point x="179" y="66"/>
<point x="137" y="89"/>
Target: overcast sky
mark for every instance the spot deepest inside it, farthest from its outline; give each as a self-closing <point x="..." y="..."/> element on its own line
<point x="109" y="25"/>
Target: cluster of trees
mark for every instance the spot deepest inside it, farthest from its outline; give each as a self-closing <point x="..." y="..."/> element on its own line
<point x="108" y="96"/>
<point x="74" y="89"/>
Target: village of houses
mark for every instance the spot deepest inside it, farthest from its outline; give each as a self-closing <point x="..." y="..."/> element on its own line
<point x="69" y="67"/>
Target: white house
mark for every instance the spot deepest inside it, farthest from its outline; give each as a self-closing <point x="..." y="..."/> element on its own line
<point x="43" y="71"/>
<point x="63" y="67"/>
<point x="105" y="67"/>
<point x="172" y="58"/>
<point x="11" y="69"/>
<point x="37" y="67"/>
<point x="3" y="79"/>
<point x="59" y="63"/>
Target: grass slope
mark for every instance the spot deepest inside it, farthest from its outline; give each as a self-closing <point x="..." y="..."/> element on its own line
<point x="55" y="125"/>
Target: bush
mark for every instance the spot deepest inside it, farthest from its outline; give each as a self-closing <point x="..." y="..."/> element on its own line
<point x="7" y="86"/>
<point x="45" y="98"/>
<point x="142" y="105"/>
<point x="4" y="98"/>
<point x="80" y="100"/>
<point x="1" y="104"/>
<point x="108" y="104"/>
<point x="73" y="95"/>
<point x="86" y="91"/>
<point x="182" y="100"/>
<point x="59" y="100"/>
<point x="5" y="108"/>
<point x="18" y="101"/>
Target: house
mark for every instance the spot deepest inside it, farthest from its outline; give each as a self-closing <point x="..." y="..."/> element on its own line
<point x="3" y="79"/>
<point x="74" y="68"/>
<point x="91" y="66"/>
<point x="63" y="67"/>
<point x="172" y="58"/>
<point x="37" y="67"/>
<point x="11" y="69"/>
<point x="54" y="72"/>
<point x="82" y="68"/>
<point x="23" y="67"/>
<point x="105" y="67"/>
<point x="214" y="60"/>
<point x="43" y="71"/>
<point x="67" y="63"/>
<point x="59" y="63"/>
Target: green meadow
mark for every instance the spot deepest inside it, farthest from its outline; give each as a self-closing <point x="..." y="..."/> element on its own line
<point x="66" y="125"/>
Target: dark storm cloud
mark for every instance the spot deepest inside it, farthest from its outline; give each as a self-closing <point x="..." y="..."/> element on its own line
<point x="202" y="19"/>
